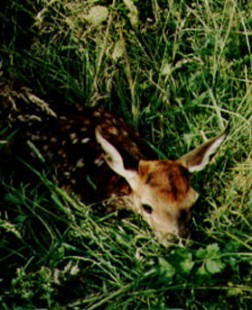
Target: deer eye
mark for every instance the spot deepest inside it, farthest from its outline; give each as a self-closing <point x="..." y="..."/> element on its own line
<point x="147" y="208"/>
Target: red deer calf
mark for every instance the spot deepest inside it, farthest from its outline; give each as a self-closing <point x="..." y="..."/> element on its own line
<point x="99" y="158"/>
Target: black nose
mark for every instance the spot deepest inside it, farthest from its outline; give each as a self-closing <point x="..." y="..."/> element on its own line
<point x="183" y="221"/>
<point x="184" y="231"/>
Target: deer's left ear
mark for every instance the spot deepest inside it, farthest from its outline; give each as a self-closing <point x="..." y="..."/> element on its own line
<point x="115" y="160"/>
<point x="198" y="158"/>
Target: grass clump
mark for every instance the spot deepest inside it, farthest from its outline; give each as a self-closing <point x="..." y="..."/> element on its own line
<point x="177" y="71"/>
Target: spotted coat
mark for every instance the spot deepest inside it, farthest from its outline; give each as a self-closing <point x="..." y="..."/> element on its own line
<point x="100" y="158"/>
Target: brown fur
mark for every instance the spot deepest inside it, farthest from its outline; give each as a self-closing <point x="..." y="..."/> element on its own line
<point x="100" y="158"/>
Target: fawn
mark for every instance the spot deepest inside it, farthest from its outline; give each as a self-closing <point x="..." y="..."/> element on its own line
<point x="101" y="159"/>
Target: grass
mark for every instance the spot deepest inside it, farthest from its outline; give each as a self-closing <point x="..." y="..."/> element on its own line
<point x="178" y="72"/>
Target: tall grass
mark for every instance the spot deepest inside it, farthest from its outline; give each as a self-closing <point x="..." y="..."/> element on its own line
<point x="177" y="71"/>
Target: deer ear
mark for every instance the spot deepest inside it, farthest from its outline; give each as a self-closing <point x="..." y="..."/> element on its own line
<point x="197" y="159"/>
<point x="114" y="159"/>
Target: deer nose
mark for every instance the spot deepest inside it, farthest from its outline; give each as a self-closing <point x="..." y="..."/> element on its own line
<point x="183" y="223"/>
<point x="184" y="231"/>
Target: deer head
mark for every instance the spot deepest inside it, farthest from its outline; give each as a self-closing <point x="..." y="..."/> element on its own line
<point x="161" y="189"/>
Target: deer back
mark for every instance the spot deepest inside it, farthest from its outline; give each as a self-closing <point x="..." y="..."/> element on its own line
<point x="67" y="145"/>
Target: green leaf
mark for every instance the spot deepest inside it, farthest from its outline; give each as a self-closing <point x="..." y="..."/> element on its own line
<point x="10" y="228"/>
<point x="182" y="261"/>
<point x="133" y="12"/>
<point x="211" y="257"/>
<point x="166" y="270"/>
<point x="201" y="271"/>
<point x="97" y="15"/>
<point x="213" y="250"/>
<point x="214" y="266"/>
<point x="118" y="50"/>
<point x="201" y="253"/>
<point x="187" y="264"/>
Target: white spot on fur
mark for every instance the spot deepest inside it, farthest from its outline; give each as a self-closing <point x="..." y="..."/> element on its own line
<point x="73" y="181"/>
<point x="67" y="174"/>
<point x="124" y="133"/>
<point x="45" y="147"/>
<point x="85" y="140"/>
<point x="73" y="136"/>
<point x="84" y="129"/>
<point x="53" y="140"/>
<point x="35" y="137"/>
<point x="113" y="131"/>
<point x="99" y="161"/>
<point x="80" y="163"/>
<point x="97" y="113"/>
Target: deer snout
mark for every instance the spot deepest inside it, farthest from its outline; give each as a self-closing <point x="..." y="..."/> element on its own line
<point x="183" y="223"/>
<point x="184" y="231"/>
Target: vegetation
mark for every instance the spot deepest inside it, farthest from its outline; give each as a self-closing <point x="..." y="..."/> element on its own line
<point x="178" y="71"/>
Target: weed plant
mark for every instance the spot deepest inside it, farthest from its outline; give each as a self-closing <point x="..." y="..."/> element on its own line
<point x="177" y="71"/>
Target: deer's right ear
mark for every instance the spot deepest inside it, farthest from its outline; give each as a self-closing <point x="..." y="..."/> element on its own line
<point x="198" y="158"/>
<point x="115" y="160"/>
